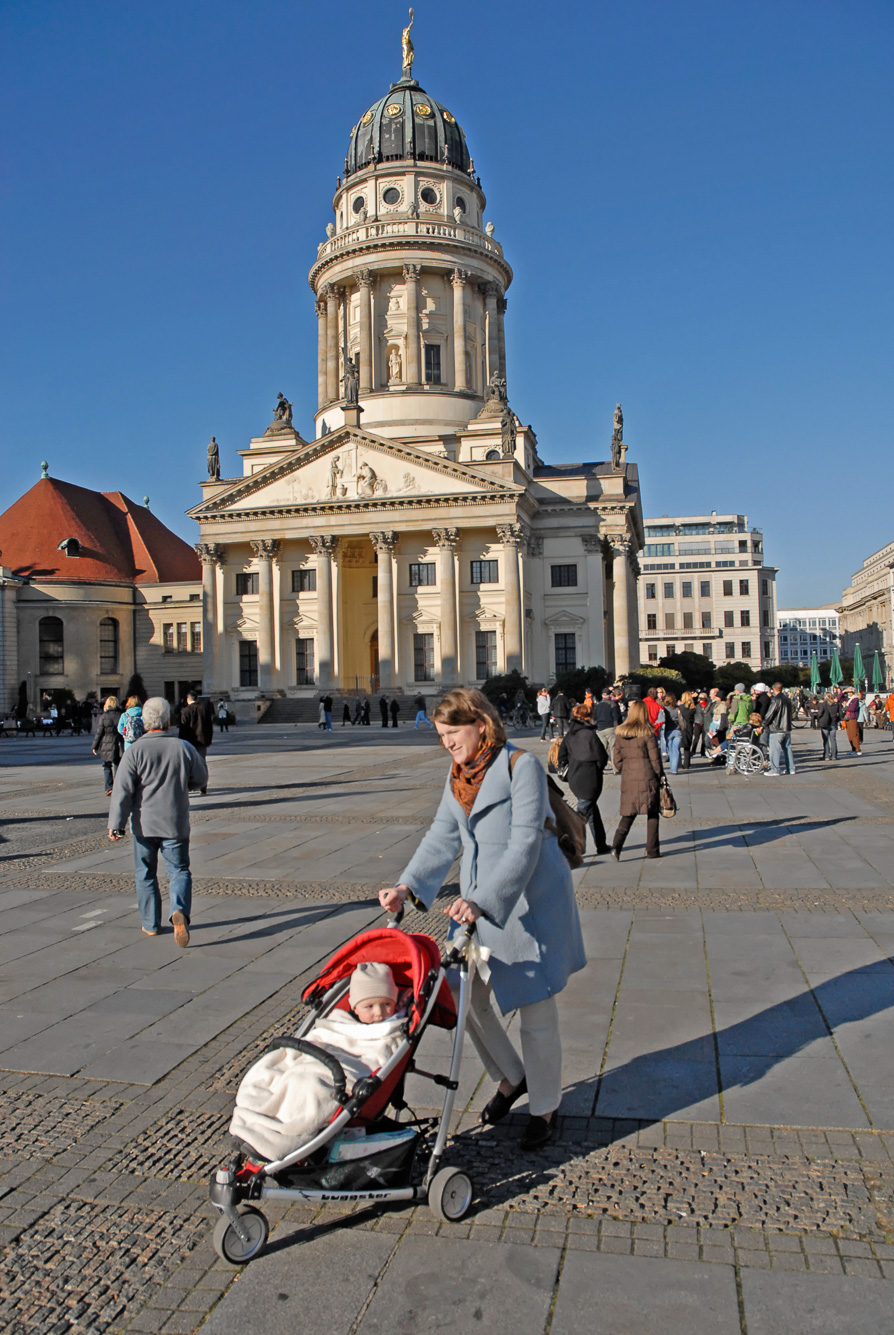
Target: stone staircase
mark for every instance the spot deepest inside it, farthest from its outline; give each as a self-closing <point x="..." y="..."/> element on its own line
<point x="285" y="711"/>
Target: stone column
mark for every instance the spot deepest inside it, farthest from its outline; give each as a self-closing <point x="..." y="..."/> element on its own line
<point x="385" y="544"/>
<point x="322" y="352"/>
<point x="331" y="344"/>
<point x="364" y="284"/>
<point x="620" y="545"/>
<point x="458" y="280"/>
<point x="501" y="334"/>
<point x="265" y="550"/>
<point x="411" y="278"/>
<point x="446" y="538"/>
<point x="633" y="613"/>
<point x="211" y="555"/>
<point x="512" y="537"/>
<point x="324" y="546"/>
<point x="595" y="601"/>
<point x="491" y="292"/>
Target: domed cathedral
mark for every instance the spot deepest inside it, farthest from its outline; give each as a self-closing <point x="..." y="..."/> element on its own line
<point x="418" y="541"/>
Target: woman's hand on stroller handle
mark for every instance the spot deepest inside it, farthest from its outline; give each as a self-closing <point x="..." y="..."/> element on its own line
<point x="394" y="898"/>
<point x="463" y="911"/>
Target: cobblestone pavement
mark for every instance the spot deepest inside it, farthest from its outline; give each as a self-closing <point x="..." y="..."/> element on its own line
<point x="785" y="900"/>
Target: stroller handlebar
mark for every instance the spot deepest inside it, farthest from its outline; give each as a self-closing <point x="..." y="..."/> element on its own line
<point x="332" y="1064"/>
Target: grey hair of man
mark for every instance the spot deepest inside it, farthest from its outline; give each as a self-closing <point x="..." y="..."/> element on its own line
<point x="156" y="714"/>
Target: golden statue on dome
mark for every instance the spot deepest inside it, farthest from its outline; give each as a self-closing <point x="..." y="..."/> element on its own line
<point x="407" y="44"/>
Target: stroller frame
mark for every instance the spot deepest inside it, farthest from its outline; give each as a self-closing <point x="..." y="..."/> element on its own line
<point x="242" y="1230"/>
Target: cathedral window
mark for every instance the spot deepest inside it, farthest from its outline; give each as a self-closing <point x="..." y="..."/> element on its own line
<point x="566" y="653"/>
<point x="563" y="577"/>
<point x="304" y="581"/>
<point x="484" y="572"/>
<point x="391" y="195"/>
<point x="358" y="204"/>
<point x="108" y="646"/>
<point x="247" y="583"/>
<point x="421" y="572"/>
<point x="304" y="662"/>
<point x="432" y="364"/>
<point x="424" y="657"/>
<point x="248" y="663"/>
<point x="428" y="195"/>
<point x="167" y="637"/>
<point x="195" y="637"/>
<point x="485" y="654"/>
<point x="51" y="644"/>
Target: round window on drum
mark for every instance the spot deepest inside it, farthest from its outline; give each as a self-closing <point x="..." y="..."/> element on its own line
<point x="391" y="195"/>
<point x="359" y="203"/>
<point x="427" y="195"/>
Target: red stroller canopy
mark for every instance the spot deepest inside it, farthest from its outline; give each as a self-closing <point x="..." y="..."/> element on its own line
<point x="411" y="956"/>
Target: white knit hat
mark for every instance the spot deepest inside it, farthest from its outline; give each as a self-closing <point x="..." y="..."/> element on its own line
<point x="372" y="982"/>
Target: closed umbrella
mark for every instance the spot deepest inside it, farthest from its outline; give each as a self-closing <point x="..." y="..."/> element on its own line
<point x="878" y="677"/>
<point x="836" y="676"/>
<point x="814" y="674"/>
<point x="859" y="671"/>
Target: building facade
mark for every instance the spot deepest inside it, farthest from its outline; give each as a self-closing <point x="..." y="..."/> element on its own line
<point x="867" y="612"/>
<point x="418" y="540"/>
<point x="803" y="631"/>
<point x="94" y="588"/>
<point x="705" y="589"/>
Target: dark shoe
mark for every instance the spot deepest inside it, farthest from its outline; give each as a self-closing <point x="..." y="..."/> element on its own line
<point x="601" y="852"/>
<point x="181" y="929"/>
<point x="496" y="1109"/>
<point x="538" y="1132"/>
<point x="653" y="855"/>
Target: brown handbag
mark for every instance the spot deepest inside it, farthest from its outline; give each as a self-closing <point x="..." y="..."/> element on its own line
<point x="667" y="803"/>
<point x="569" y="828"/>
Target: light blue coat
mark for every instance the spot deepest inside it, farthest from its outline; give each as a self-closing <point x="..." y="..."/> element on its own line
<point x="514" y="870"/>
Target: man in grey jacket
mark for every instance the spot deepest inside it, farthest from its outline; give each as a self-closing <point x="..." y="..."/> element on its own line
<point x="152" y="788"/>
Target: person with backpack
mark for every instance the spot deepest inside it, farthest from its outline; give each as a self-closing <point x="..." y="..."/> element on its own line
<point x="130" y="724"/>
<point x="515" y="886"/>
<point x="586" y="758"/>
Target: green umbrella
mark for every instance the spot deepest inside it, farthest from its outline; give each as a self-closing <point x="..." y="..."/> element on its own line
<point x="859" y="671"/>
<point x="878" y="677"/>
<point x="836" y="676"/>
<point x="814" y="674"/>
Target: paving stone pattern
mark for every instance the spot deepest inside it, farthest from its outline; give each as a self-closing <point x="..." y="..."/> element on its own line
<point x="739" y="992"/>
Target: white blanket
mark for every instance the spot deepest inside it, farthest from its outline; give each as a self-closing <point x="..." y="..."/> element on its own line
<point x="287" y="1097"/>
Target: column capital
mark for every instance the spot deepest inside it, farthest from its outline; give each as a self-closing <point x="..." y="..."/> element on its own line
<point x="490" y="290"/>
<point x="502" y="303"/>
<point x="364" y="278"/>
<point x="325" y="292"/>
<point x="446" y="537"/>
<point x="592" y="544"/>
<point x="266" y="549"/>
<point x="211" y="553"/>
<point x="384" y="543"/>
<point x="411" y="273"/>
<point x="320" y="306"/>
<point x="535" y="545"/>
<point x="620" y="543"/>
<point x="324" y="543"/>
<point x="511" y="535"/>
<point x="460" y="277"/>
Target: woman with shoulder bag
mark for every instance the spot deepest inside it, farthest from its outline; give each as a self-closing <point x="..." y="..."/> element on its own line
<point x="586" y="759"/>
<point x="638" y="761"/>
<point x="515" y="885"/>
<point x="686" y="710"/>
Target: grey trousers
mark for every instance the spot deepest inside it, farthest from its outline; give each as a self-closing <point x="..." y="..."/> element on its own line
<point x="607" y="738"/>
<point x="541" y="1060"/>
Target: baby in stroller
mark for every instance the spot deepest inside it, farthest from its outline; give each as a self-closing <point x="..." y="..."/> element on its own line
<point x="288" y="1096"/>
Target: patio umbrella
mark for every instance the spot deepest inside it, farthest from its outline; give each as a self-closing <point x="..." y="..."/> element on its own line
<point x="836" y="676"/>
<point x="878" y="677"/>
<point x="859" y="670"/>
<point x="814" y="674"/>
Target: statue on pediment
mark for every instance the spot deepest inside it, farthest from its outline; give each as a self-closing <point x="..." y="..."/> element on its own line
<point x="282" y="416"/>
<point x="619" y="449"/>
<point x="213" y="461"/>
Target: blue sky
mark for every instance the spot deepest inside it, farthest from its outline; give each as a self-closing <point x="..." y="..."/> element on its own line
<point x="696" y="198"/>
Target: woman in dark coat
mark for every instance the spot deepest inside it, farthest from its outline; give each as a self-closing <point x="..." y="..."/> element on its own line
<point x="686" y="710"/>
<point x="637" y="760"/>
<point x="586" y="758"/>
<point x="107" y="742"/>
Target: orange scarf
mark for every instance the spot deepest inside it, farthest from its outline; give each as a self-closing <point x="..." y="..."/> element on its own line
<point x="465" y="780"/>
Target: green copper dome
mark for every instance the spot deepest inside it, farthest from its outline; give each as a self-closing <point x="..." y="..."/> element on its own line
<point x="407" y="125"/>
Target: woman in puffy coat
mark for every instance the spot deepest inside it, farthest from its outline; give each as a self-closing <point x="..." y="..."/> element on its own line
<point x="637" y="760"/>
<point x="586" y="758"/>
<point x="106" y="742"/>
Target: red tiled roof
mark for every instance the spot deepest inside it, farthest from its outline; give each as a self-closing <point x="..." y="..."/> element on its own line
<point x="120" y="542"/>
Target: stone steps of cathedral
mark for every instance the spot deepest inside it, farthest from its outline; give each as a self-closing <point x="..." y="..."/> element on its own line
<point x="306" y="709"/>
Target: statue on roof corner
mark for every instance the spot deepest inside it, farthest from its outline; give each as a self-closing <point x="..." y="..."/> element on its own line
<point x="408" y="52"/>
<point x="495" y="388"/>
<point x="619" y="449"/>
<point x="213" y="461"/>
<point x="282" y="416"/>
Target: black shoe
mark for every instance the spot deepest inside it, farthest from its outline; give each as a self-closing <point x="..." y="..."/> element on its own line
<point x="601" y="852"/>
<point x="653" y="855"/>
<point x="496" y="1109"/>
<point x="538" y="1132"/>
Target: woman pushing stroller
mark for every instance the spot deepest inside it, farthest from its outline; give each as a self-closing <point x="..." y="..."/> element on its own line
<point x="516" y="887"/>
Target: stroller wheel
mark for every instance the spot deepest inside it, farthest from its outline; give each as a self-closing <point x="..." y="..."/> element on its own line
<point x="228" y="1244"/>
<point x="450" y="1194"/>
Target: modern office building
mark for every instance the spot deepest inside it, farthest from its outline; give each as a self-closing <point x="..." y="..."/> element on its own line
<point x="705" y="589"/>
<point x="803" y="631"/>
<point x="867" y="611"/>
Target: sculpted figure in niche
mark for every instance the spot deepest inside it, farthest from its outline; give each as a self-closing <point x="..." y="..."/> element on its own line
<point x="394" y="364"/>
<point x="335" y="472"/>
<point x="351" y="381"/>
<point x="507" y="432"/>
<point x="367" y="480"/>
<point x="213" y="461"/>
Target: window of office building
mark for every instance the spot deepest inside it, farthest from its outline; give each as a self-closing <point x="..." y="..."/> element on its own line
<point x="766" y="648"/>
<point x="562" y="577"/>
<point x="484" y="572"/>
<point x="764" y="587"/>
<point x="727" y="588"/>
<point x="706" y="620"/>
<point x="195" y="637"/>
<point x="653" y="653"/>
<point x="730" y="649"/>
<point x="167" y="637"/>
<point x="485" y="654"/>
<point x="304" y="662"/>
<point x="668" y="589"/>
<point x="304" y="581"/>
<point x="707" y="650"/>
<point x="659" y="549"/>
<point x="246" y="583"/>
<point x="650" y="590"/>
<point x="743" y="545"/>
<point x="51" y="646"/>
<point x="651" y="621"/>
<point x="686" y="588"/>
<point x="743" y="588"/>
<point x="746" y="648"/>
<point x="566" y="653"/>
<point x="687" y="621"/>
<point x="670" y="650"/>
<point x="423" y="657"/>
<point x="108" y="646"/>
<point x="669" y="623"/>
<point x="729" y="618"/>
<point x="765" y="618"/>
<point x="182" y="634"/>
<point x="421" y="572"/>
<point x="705" y="588"/>
<point x="248" y="663"/>
<point x="745" y="617"/>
